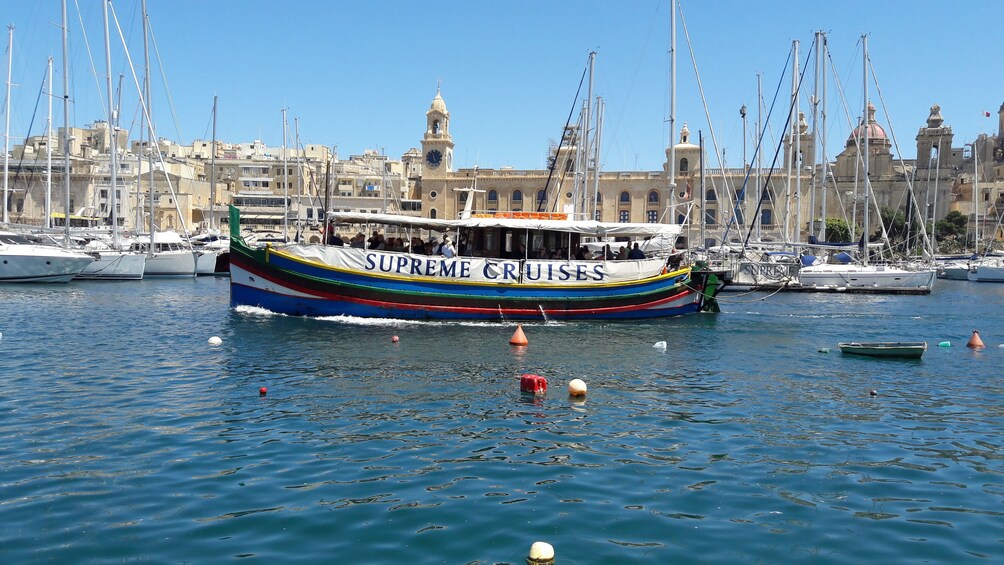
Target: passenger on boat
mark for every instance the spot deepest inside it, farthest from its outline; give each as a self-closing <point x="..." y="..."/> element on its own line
<point x="636" y="253"/>
<point x="417" y="246"/>
<point x="582" y="253"/>
<point x="447" y="249"/>
<point x="359" y="241"/>
<point x="622" y="253"/>
<point x="376" y="241"/>
<point x="333" y="237"/>
<point x="607" y="253"/>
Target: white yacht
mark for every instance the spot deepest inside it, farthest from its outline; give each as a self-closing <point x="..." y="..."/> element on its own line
<point x="26" y="258"/>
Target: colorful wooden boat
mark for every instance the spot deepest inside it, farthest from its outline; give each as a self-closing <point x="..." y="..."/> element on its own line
<point x="900" y="349"/>
<point x="328" y="280"/>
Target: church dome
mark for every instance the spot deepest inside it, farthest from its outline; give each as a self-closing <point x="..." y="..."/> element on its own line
<point x="875" y="131"/>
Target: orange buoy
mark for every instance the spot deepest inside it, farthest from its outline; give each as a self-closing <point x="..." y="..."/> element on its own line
<point x="518" y="337"/>
<point x="975" y="341"/>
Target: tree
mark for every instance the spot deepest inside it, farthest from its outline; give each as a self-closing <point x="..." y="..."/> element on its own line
<point x="954" y="224"/>
<point x="837" y="230"/>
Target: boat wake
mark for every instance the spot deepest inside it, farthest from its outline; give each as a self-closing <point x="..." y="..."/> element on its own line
<point x="392" y="322"/>
<point x="256" y="311"/>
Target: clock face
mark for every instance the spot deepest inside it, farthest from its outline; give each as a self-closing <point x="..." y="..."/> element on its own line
<point x="434" y="157"/>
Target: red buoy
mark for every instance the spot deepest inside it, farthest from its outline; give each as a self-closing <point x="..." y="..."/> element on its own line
<point x="534" y="384"/>
<point x="263" y="391"/>
<point x="518" y="337"/>
<point x="395" y="339"/>
<point x="975" y="342"/>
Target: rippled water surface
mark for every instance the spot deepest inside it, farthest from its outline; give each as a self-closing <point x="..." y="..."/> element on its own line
<point x="125" y="436"/>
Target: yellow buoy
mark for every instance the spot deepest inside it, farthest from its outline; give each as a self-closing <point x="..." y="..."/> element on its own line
<point x="518" y="337"/>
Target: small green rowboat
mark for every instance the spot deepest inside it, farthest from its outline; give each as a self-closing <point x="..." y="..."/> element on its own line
<point x="897" y="349"/>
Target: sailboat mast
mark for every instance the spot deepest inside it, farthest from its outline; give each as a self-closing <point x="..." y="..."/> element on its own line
<point x="149" y="124"/>
<point x="6" y="131"/>
<point x="66" y="132"/>
<point x="48" y="152"/>
<point x="822" y="135"/>
<point x="671" y="201"/>
<point x="976" y="202"/>
<point x="285" y="183"/>
<point x="815" y="133"/>
<point x="759" y="154"/>
<point x="796" y="157"/>
<point x="113" y="148"/>
<point x="212" y="171"/>
<point x="704" y="216"/>
<point x="600" y="108"/>
<point x="865" y="126"/>
<point x="585" y="129"/>
<point x="299" y="183"/>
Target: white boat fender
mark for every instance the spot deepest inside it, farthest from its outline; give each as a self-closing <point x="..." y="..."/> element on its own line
<point x="660" y="345"/>
<point x="215" y="340"/>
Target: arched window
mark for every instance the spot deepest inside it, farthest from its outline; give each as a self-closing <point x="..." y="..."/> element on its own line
<point x="432" y="214"/>
<point x="710" y="216"/>
<point x="517" y="196"/>
<point x="765" y="195"/>
<point x="684" y="165"/>
<point x="568" y="166"/>
<point x="541" y="197"/>
<point x="493" y="195"/>
<point x="766" y="217"/>
<point x="710" y="195"/>
<point x="598" y="198"/>
<point x="625" y="197"/>
<point x="653" y="197"/>
<point x="435" y="127"/>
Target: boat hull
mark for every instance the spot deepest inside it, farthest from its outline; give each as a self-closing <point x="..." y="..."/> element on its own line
<point x="986" y="273"/>
<point x="115" y="266"/>
<point x="874" y="279"/>
<point x="36" y="263"/>
<point x="285" y="284"/>
<point x="901" y="350"/>
<point x="170" y="264"/>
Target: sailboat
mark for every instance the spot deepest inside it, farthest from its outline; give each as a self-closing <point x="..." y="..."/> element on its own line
<point x="863" y="276"/>
<point x="112" y="262"/>
<point x="23" y="257"/>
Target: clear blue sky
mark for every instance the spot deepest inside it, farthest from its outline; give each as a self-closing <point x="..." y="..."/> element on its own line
<point x="360" y="75"/>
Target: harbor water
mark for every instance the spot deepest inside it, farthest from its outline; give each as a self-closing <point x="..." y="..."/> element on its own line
<point x="125" y="436"/>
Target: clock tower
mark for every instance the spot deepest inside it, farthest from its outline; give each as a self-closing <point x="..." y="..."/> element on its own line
<point x="437" y="145"/>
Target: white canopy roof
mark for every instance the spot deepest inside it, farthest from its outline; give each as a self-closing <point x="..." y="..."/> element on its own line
<point x="584" y="227"/>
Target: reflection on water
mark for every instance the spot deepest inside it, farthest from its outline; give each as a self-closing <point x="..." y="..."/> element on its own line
<point x="125" y="436"/>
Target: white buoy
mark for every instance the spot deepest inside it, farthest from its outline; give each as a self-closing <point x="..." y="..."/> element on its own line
<point x="660" y="345"/>
<point x="577" y="387"/>
<point x="215" y="341"/>
<point x="541" y="552"/>
<point x="1" y="337"/>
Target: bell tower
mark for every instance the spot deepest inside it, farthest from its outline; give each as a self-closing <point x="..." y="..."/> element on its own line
<point x="437" y="144"/>
<point x="934" y="142"/>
